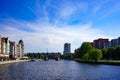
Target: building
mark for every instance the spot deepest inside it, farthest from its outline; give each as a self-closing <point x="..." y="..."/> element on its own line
<point x="99" y="43"/>
<point x="1" y="55"/>
<point x="20" y="49"/>
<point x="0" y="44"/>
<point x="67" y="48"/>
<point x="12" y="50"/>
<point x="107" y="44"/>
<point x="112" y="43"/>
<point x="5" y="48"/>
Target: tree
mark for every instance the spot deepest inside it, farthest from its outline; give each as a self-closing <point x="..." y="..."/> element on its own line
<point x="95" y="54"/>
<point x="85" y="56"/>
<point x="110" y="52"/>
<point x="85" y="49"/>
<point x="116" y="53"/>
<point x="67" y="56"/>
<point x="104" y="53"/>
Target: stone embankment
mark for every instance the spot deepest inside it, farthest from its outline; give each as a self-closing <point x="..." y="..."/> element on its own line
<point x="12" y="61"/>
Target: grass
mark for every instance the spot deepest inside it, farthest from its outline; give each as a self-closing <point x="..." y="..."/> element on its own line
<point x="78" y="59"/>
<point x="116" y="61"/>
<point x="106" y="62"/>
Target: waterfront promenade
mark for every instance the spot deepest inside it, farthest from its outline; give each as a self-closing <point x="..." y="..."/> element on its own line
<point x="12" y="61"/>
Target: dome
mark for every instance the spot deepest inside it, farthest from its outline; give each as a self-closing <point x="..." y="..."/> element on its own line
<point x="21" y="42"/>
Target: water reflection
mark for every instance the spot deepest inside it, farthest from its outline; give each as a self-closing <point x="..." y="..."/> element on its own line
<point x="58" y="70"/>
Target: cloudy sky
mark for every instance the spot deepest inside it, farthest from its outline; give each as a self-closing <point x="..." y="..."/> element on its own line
<point x="48" y="24"/>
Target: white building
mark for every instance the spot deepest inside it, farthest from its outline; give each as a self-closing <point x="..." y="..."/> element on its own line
<point x="20" y="49"/>
<point x="5" y="47"/>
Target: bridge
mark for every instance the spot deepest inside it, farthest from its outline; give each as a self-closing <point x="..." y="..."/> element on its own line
<point x="55" y="56"/>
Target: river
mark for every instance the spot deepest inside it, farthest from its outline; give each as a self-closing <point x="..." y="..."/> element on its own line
<point x="58" y="70"/>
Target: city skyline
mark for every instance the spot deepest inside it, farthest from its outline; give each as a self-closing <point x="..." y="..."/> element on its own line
<point x="48" y="24"/>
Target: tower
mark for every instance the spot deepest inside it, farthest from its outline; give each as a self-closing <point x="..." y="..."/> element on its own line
<point x="20" y="49"/>
<point x="67" y="48"/>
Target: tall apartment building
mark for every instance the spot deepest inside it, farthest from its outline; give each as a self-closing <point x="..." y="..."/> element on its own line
<point x="99" y="43"/>
<point x="5" y="48"/>
<point x="67" y="48"/>
<point x="107" y="44"/>
<point x="1" y="55"/>
<point x="112" y="43"/>
<point x="10" y="50"/>
<point x="20" y="49"/>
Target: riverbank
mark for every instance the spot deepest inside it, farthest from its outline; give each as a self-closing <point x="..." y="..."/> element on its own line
<point x="105" y="62"/>
<point x="12" y="61"/>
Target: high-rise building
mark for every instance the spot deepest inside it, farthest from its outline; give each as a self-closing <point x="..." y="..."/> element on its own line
<point x="112" y="43"/>
<point x="107" y="44"/>
<point x="67" y="48"/>
<point x="99" y="43"/>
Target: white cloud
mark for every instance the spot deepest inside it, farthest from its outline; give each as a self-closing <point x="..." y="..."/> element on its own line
<point x="42" y="34"/>
<point x="68" y="9"/>
<point x="98" y="5"/>
<point x="53" y="37"/>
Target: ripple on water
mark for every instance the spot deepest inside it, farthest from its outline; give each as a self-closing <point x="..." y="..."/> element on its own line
<point x="58" y="70"/>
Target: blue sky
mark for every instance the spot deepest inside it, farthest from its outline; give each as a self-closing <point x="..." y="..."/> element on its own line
<point x="48" y="24"/>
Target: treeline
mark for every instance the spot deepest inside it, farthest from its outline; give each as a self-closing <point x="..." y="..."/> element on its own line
<point x="87" y="53"/>
<point x="111" y="53"/>
<point x="35" y="55"/>
<point x="43" y="55"/>
<point x="68" y="56"/>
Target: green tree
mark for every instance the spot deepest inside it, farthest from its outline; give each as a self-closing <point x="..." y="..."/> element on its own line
<point x="115" y="54"/>
<point x="95" y="54"/>
<point x="70" y="56"/>
<point x="104" y="53"/>
<point x="85" y="56"/>
<point x="67" y="56"/>
<point x="110" y="51"/>
<point x="85" y="49"/>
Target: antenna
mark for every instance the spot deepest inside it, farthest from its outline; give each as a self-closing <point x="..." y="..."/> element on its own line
<point x="47" y="50"/>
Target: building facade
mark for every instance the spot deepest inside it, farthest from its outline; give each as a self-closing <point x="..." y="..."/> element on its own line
<point x="5" y="48"/>
<point x="112" y="43"/>
<point x="67" y="48"/>
<point x="1" y="55"/>
<point x="10" y="50"/>
<point x="99" y="43"/>
<point x="20" y="49"/>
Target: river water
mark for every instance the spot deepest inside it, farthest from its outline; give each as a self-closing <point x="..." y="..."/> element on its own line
<point x="58" y="70"/>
